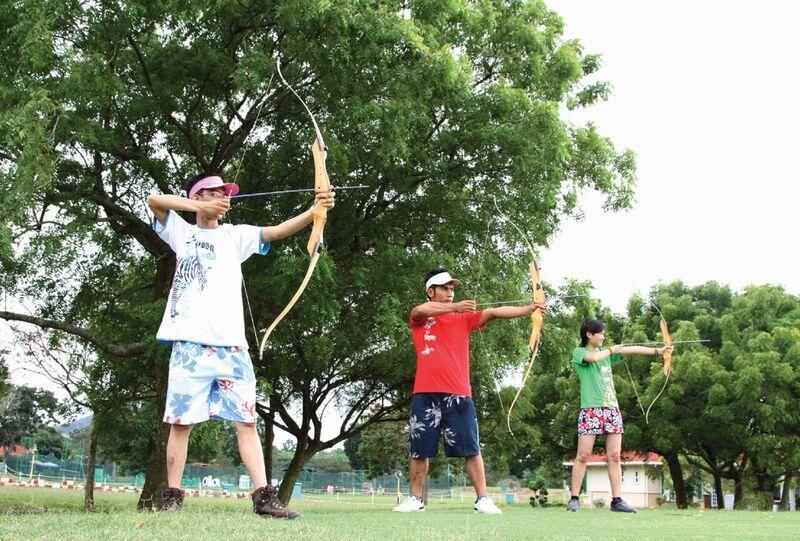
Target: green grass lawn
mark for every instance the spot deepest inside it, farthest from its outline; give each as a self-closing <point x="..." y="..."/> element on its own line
<point x="57" y="514"/>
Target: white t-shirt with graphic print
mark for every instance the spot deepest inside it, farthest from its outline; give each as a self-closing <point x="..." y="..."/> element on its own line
<point x="205" y="302"/>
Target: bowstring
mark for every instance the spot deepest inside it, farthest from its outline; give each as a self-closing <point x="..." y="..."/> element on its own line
<point x="497" y="387"/>
<point x="235" y="177"/>
<point x="666" y="379"/>
<point x="630" y="375"/>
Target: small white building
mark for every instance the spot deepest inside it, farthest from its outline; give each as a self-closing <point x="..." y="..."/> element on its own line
<point x="638" y="489"/>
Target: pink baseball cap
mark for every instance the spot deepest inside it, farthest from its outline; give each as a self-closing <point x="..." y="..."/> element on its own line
<point x="213" y="181"/>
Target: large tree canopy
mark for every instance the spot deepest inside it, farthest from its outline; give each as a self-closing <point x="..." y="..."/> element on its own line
<point x="437" y="106"/>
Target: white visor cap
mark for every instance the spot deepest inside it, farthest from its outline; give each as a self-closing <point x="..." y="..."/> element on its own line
<point x="441" y="279"/>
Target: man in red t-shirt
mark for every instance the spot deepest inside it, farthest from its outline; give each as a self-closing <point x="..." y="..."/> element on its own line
<point x="442" y="402"/>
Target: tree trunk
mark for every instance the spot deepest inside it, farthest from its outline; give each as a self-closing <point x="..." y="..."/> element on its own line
<point x="738" y="490"/>
<point x="88" y="491"/>
<point x="676" y="473"/>
<point x="718" y="490"/>
<point x="292" y="473"/>
<point x="155" y="480"/>
<point x="787" y="485"/>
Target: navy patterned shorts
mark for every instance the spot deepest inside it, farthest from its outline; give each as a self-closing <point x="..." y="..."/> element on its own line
<point x="599" y="421"/>
<point x="450" y="416"/>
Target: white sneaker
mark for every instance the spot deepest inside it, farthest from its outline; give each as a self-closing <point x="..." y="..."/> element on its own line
<point x="411" y="505"/>
<point x="486" y="506"/>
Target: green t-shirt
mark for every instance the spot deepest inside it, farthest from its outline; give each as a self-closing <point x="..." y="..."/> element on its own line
<point x="597" y="382"/>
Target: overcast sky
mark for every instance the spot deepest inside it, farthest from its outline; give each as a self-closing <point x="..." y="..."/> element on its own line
<point x="706" y="94"/>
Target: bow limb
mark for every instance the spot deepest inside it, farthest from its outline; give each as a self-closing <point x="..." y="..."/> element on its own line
<point x="319" y="213"/>
<point x="667" y="360"/>
<point x="289" y="306"/>
<point x="537" y="319"/>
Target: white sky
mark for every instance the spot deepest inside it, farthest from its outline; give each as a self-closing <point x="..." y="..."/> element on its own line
<point x="706" y="94"/>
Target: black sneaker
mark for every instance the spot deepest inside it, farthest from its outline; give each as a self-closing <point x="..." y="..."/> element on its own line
<point x="172" y="499"/>
<point x="267" y="504"/>
<point x="620" y="506"/>
<point x="574" y="506"/>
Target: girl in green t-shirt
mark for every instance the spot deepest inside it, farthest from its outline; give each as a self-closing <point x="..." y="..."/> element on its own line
<point x="600" y="413"/>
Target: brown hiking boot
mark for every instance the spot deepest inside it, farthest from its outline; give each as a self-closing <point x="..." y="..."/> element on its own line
<point x="267" y="504"/>
<point x="172" y="499"/>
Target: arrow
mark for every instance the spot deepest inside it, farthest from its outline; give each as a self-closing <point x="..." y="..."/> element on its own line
<point x="301" y="190"/>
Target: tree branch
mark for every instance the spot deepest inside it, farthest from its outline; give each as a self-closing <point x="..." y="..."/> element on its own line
<point x="117" y="350"/>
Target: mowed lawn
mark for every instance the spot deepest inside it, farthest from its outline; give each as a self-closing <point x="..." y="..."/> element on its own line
<point x="56" y="514"/>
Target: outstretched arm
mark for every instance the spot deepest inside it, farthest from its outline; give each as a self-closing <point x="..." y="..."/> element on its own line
<point x="641" y="350"/>
<point x="598" y="356"/>
<point x="510" y="312"/>
<point x="293" y="225"/>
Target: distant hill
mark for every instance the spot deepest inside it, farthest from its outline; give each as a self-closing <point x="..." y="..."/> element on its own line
<point x="77" y="424"/>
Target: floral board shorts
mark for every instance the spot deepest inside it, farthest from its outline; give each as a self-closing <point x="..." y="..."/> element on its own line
<point x="450" y="416"/>
<point x="599" y="421"/>
<point x="210" y="382"/>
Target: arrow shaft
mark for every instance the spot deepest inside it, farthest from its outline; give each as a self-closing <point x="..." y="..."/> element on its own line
<point x="300" y="190"/>
<point x="653" y="342"/>
<point x="515" y="301"/>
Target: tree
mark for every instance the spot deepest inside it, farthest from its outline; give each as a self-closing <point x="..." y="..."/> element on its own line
<point x="762" y="346"/>
<point x="4" y="384"/>
<point x="333" y="461"/>
<point x="23" y="411"/>
<point x="383" y="448"/>
<point x="49" y="441"/>
<point x="437" y="107"/>
<point x="351" y="446"/>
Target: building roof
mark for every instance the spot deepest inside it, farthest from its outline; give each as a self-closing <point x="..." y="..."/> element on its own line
<point x="16" y="450"/>
<point x="629" y="458"/>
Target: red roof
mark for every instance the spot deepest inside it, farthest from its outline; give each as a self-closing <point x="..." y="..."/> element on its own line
<point x="17" y="450"/>
<point x="628" y="457"/>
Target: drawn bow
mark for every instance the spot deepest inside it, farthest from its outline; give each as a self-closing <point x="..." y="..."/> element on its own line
<point x="537" y="318"/>
<point x="319" y="214"/>
<point x="667" y="359"/>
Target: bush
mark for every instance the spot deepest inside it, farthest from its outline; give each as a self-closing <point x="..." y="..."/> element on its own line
<point x="539" y="487"/>
<point x="756" y="502"/>
<point x="599" y="504"/>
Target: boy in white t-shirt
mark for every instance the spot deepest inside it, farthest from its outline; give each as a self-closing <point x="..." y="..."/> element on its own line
<point x="210" y="373"/>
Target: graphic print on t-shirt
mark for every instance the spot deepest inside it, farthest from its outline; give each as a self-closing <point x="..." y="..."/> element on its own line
<point x="429" y="337"/>
<point x="610" y="394"/>
<point x="189" y="270"/>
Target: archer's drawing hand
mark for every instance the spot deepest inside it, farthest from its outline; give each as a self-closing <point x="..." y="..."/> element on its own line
<point x="215" y="207"/>
<point x="466" y="306"/>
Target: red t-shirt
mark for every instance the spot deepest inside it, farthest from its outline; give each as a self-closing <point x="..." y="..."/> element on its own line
<point x="442" y="344"/>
